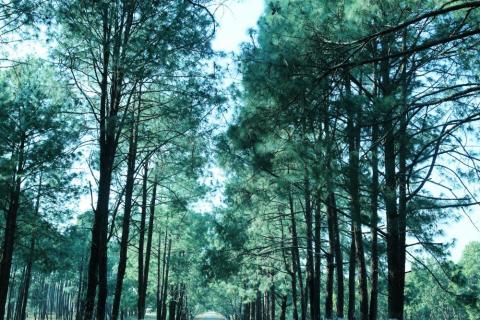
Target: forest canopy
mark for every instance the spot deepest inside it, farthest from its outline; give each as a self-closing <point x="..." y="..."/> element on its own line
<point x="138" y="180"/>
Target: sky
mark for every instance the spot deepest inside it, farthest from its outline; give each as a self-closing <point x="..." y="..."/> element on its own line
<point x="235" y="18"/>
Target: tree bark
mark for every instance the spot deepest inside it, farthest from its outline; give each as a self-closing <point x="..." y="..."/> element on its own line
<point x="395" y="273"/>
<point x="272" y="302"/>
<point x="318" y="252"/>
<point x="165" y="285"/>
<point x="159" y="278"/>
<point x="11" y="226"/>
<point x="351" y="276"/>
<point x="314" y="306"/>
<point x="353" y="131"/>
<point x="109" y="130"/>
<point x="106" y="162"/>
<point x="373" y="226"/>
<point x="149" y="245"/>
<point x="141" y="244"/>
<point x="330" y="262"/>
<point x="130" y="182"/>
<point x="296" y="256"/>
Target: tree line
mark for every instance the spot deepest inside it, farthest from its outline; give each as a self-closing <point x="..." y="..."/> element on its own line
<point x="351" y="142"/>
<point x="354" y="140"/>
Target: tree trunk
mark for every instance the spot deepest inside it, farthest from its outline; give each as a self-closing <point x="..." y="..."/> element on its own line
<point x="79" y="292"/>
<point x="318" y="253"/>
<point x="159" y="278"/>
<point x="338" y="257"/>
<point x="351" y="277"/>
<point x="258" y="306"/>
<point x="129" y="185"/>
<point x="291" y="272"/>
<point x="149" y="245"/>
<point x="28" y="278"/>
<point x="10" y="227"/>
<point x="394" y="249"/>
<point x="373" y="226"/>
<point x="28" y="271"/>
<point x="164" y="264"/>
<point x="272" y="302"/>
<point x="99" y="229"/>
<point x="141" y="243"/>
<point x="296" y="255"/>
<point x="330" y="263"/>
<point x="165" y="286"/>
<point x="314" y="310"/>
<point x="402" y="189"/>
<point x="172" y="305"/>
<point x="353" y="131"/>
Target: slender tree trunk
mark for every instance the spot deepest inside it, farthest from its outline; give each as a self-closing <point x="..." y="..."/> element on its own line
<point x="351" y="277"/>
<point x="395" y="297"/>
<point x="129" y="185"/>
<point x="291" y="272"/>
<point x="165" y="286"/>
<point x="272" y="302"/>
<point x="164" y="264"/>
<point x="79" y="291"/>
<point x="246" y="311"/>
<point x="159" y="278"/>
<point x="402" y="187"/>
<point x="258" y="306"/>
<point x="333" y="224"/>
<point x="296" y="256"/>
<point x="373" y="226"/>
<point x="395" y="250"/>
<point x="149" y="246"/>
<point x="20" y="293"/>
<point x="28" y="271"/>
<point x="141" y="244"/>
<point x="106" y="162"/>
<point x="338" y="257"/>
<point x="318" y="253"/>
<point x="330" y="263"/>
<point x="314" y="310"/>
<point x="354" y="150"/>
<point x="180" y="302"/>
<point x="172" y="304"/>
<point x="11" y="227"/>
<point x="28" y="278"/>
